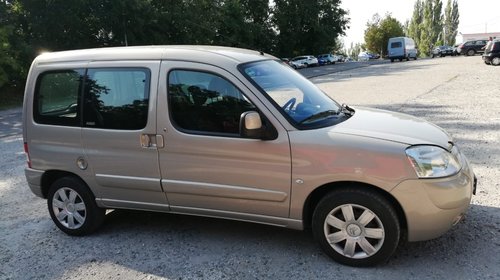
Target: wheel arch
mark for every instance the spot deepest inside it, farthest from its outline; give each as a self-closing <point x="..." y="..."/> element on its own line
<point x="318" y="193"/>
<point x="50" y="176"/>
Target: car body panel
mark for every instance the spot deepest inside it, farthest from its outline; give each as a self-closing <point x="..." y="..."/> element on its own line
<point x="260" y="180"/>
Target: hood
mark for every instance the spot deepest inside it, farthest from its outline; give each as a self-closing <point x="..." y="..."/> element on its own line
<point x="392" y="126"/>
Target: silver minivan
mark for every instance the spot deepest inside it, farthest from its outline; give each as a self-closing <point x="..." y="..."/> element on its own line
<point x="401" y="48"/>
<point x="234" y="134"/>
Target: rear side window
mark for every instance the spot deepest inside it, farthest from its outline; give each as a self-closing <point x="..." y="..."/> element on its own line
<point x="116" y="98"/>
<point x="56" y="99"/>
<point x="395" y="45"/>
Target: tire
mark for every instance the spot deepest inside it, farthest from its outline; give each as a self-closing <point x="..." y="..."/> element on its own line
<point x="495" y="61"/>
<point x="72" y="207"/>
<point x="400" y="59"/>
<point x="346" y="215"/>
<point x="487" y="62"/>
<point x="415" y="58"/>
<point x="392" y="59"/>
<point x="471" y="52"/>
<point x="432" y="56"/>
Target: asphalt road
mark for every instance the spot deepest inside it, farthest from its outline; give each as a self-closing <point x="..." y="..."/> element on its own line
<point x="460" y="94"/>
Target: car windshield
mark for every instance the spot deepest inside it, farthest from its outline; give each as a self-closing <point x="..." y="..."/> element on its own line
<point x="300" y="101"/>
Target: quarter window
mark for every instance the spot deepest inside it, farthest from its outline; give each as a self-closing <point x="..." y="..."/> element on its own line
<point x="56" y="99"/>
<point x="205" y="103"/>
<point x="116" y="98"/>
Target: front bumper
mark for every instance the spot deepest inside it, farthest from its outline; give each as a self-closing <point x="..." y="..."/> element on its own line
<point x="433" y="206"/>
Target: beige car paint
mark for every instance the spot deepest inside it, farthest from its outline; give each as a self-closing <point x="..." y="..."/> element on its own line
<point x="243" y="179"/>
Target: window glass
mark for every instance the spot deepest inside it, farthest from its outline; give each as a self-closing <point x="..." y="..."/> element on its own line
<point x="396" y="45"/>
<point x="116" y="98"/>
<point x="301" y="101"/>
<point x="57" y="98"/>
<point x="204" y="102"/>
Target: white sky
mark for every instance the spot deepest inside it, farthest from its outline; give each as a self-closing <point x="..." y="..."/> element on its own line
<point x="476" y="16"/>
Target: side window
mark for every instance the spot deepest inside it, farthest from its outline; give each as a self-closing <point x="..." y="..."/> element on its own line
<point x="56" y="99"/>
<point x="116" y="98"/>
<point x="202" y="102"/>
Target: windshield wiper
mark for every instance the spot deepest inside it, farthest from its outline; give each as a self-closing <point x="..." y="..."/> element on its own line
<point x="320" y="115"/>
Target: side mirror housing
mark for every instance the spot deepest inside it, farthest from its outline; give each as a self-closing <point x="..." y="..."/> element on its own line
<point x="251" y="125"/>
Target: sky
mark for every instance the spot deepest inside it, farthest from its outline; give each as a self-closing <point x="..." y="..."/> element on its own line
<point x="476" y="16"/>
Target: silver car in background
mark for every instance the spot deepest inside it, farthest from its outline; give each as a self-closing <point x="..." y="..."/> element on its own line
<point x="235" y="134"/>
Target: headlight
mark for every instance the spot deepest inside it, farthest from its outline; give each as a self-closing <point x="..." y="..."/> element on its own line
<point x="433" y="161"/>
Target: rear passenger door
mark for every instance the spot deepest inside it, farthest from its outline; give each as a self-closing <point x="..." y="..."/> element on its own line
<point x="119" y="133"/>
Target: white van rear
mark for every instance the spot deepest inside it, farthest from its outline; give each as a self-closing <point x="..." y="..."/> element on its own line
<point x="401" y="48"/>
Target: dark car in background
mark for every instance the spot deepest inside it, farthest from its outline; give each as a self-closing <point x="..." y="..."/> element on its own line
<point x="492" y="53"/>
<point x="442" y="51"/>
<point x="472" y="47"/>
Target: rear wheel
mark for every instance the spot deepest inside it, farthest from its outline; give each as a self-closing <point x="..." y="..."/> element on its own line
<point x="356" y="227"/>
<point x="400" y="59"/>
<point x="392" y="59"/>
<point x="73" y="208"/>
<point x="495" y="61"/>
<point x="471" y="52"/>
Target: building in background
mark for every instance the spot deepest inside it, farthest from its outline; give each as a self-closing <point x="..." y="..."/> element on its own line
<point x="478" y="36"/>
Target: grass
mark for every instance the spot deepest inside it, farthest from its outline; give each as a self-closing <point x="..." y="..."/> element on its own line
<point x="11" y="97"/>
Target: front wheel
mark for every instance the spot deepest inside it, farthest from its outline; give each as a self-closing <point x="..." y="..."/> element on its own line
<point x="471" y="52"/>
<point x="73" y="208"/>
<point x="356" y="227"/>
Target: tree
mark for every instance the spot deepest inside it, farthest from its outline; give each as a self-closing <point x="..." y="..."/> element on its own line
<point x="414" y="28"/>
<point x="379" y="31"/>
<point x="451" y="21"/>
<point x="431" y="27"/>
<point x="307" y="27"/>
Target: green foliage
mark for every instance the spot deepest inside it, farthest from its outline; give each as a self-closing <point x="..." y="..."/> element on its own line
<point x="308" y="27"/>
<point x="451" y="21"/>
<point x="379" y="31"/>
<point x="288" y="27"/>
<point x="414" y="28"/>
<point x="429" y="28"/>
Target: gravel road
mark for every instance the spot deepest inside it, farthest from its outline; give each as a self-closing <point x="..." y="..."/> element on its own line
<point x="460" y="94"/>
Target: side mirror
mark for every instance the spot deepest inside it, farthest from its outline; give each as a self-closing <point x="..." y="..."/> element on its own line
<point x="251" y="125"/>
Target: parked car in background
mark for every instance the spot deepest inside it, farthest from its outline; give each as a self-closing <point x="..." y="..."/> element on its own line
<point x="307" y="60"/>
<point x="472" y="47"/>
<point x="442" y="51"/>
<point x="373" y="55"/>
<point x="492" y="53"/>
<point x="297" y="64"/>
<point x="363" y="56"/>
<point x="401" y="48"/>
<point x="340" y="58"/>
<point x="327" y="58"/>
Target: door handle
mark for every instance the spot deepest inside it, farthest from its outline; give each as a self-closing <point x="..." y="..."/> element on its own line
<point x="152" y="141"/>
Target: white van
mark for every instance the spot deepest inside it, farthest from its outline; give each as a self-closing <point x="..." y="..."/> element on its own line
<point x="401" y="48"/>
<point x="234" y="134"/>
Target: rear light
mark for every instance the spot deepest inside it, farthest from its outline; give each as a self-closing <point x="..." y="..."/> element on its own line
<point x="27" y="154"/>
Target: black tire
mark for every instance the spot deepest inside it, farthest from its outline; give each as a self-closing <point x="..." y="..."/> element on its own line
<point x="471" y="52"/>
<point x="384" y="222"/>
<point x="392" y="59"/>
<point x="415" y="58"/>
<point x="71" y="199"/>
<point x="495" y="61"/>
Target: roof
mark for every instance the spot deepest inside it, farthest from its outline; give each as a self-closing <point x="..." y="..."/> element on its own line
<point x="200" y="53"/>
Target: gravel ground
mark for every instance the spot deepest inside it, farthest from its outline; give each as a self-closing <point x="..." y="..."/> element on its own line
<point x="460" y="94"/>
